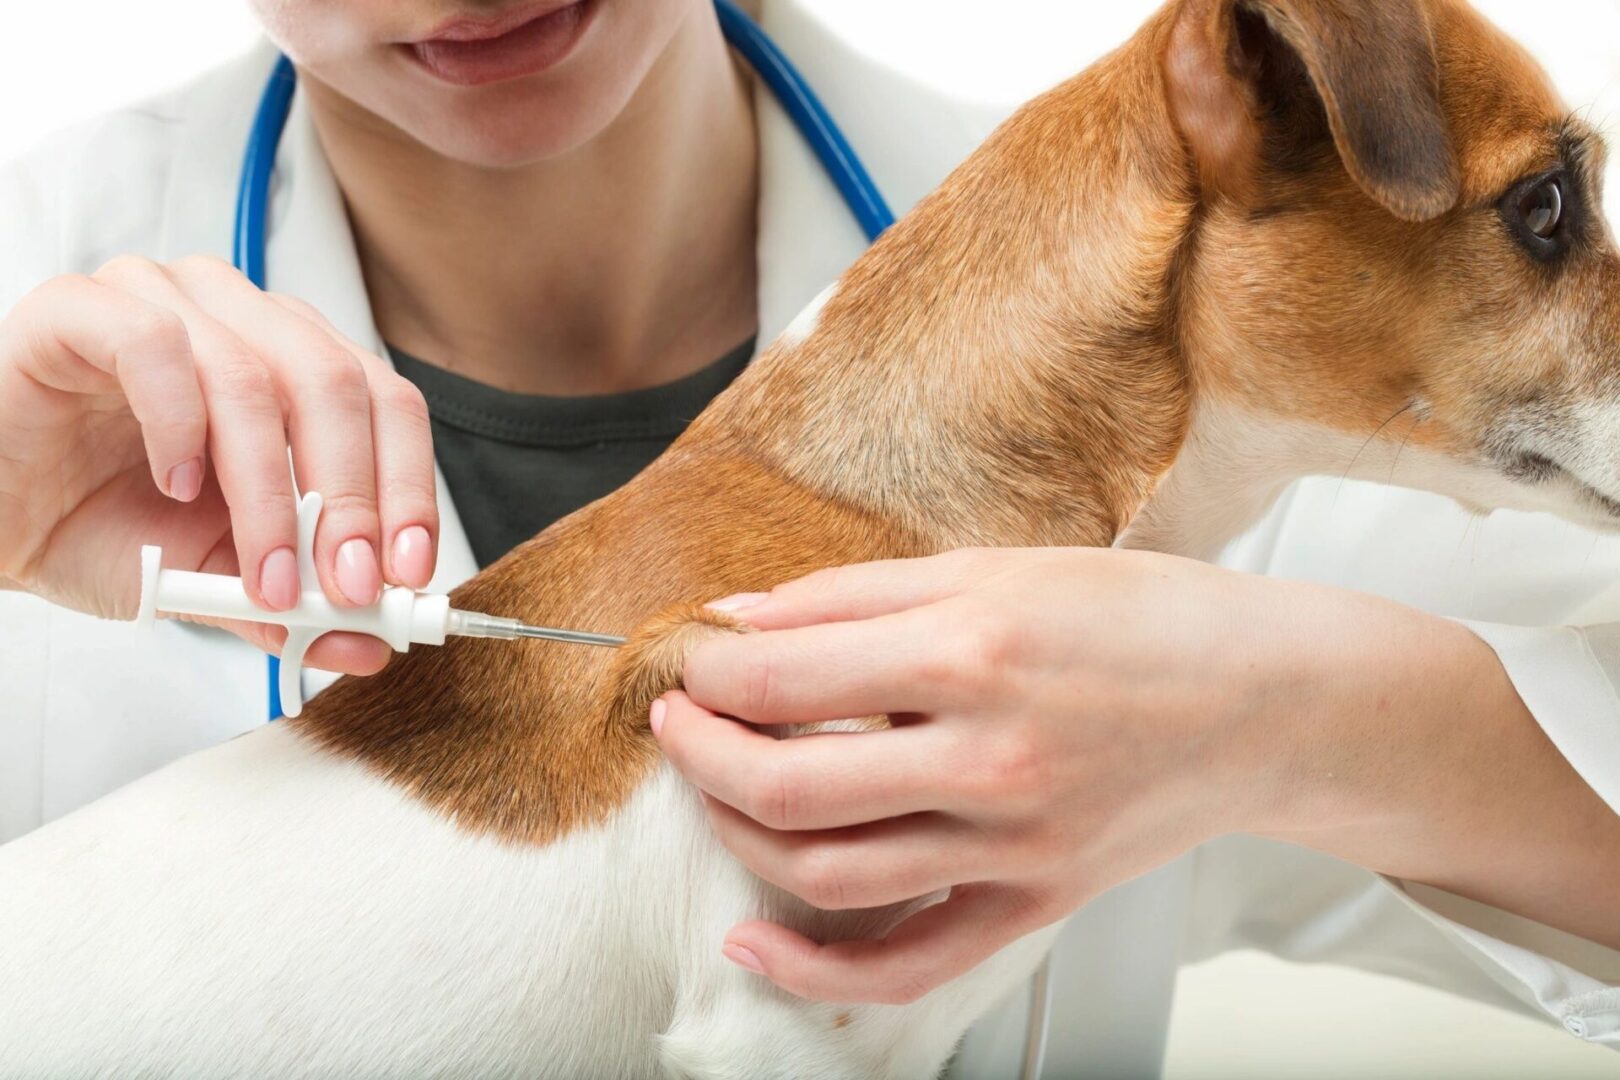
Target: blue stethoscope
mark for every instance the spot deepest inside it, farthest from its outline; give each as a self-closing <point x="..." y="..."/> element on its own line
<point x="741" y="32"/>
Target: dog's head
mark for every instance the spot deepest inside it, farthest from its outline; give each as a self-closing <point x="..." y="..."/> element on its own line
<point x="1401" y="241"/>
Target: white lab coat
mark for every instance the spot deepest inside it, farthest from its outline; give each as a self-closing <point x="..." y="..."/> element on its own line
<point x="88" y="705"/>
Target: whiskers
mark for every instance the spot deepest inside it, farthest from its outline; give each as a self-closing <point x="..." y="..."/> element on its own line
<point x="1417" y="418"/>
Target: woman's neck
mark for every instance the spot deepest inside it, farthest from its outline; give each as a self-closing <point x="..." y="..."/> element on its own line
<point x="627" y="262"/>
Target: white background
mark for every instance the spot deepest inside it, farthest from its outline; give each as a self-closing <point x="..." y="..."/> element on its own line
<point x="1240" y="1017"/>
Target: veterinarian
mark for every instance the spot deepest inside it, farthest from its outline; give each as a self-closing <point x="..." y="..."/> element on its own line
<point x="564" y="248"/>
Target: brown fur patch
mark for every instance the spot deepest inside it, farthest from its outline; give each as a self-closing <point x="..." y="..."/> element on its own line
<point x="941" y="402"/>
<point x="1015" y="364"/>
<point x="650" y="664"/>
<point x="532" y="739"/>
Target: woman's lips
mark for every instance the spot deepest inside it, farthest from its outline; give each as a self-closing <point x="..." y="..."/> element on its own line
<point x="473" y="52"/>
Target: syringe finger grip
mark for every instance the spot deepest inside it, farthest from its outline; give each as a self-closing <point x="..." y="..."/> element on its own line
<point x="399" y="617"/>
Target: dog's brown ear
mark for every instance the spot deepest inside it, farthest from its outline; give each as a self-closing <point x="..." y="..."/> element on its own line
<point x="1251" y="81"/>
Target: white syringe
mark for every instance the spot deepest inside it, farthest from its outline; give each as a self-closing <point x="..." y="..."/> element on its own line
<point x="401" y="617"/>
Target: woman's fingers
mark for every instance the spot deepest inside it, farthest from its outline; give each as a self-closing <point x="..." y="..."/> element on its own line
<point x="356" y="432"/>
<point x="327" y="398"/>
<point x="861" y="591"/>
<point x="901" y="663"/>
<point x="405" y="477"/>
<point x="85" y="337"/>
<point x="247" y="436"/>
<point x="222" y="378"/>
<point x="924" y="952"/>
<point x="871" y="865"/>
<point x="811" y="782"/>
<point x="380" y="489"/>
<point x="406" y="501"/>
<point x="351" y="654"/>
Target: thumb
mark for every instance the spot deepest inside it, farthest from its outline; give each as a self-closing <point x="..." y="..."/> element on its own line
<point x="924" y="952"/>
<point x="860" y="590"/>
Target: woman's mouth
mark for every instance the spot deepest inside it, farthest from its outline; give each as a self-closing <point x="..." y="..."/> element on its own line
<point x="472" y="51"/>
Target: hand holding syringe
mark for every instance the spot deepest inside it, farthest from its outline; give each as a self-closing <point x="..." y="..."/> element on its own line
<point x="401" y="617"/>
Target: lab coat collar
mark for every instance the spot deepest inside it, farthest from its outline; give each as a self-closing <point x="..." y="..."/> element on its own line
<point x="807" y="235"/>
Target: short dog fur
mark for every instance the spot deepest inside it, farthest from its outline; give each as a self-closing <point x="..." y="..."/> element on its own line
<point x="1264" y="238"/>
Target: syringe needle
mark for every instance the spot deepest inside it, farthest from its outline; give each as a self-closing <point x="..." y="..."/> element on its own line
<point x="477" y="624"/>
<point x="573" y="637"/>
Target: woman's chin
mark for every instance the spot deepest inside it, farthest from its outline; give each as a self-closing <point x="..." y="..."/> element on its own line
<point x="506" y="142"/>
<point x="506" y="125"/>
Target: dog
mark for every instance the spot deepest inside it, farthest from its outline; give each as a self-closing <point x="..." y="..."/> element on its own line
<point x="1263" y="239"/>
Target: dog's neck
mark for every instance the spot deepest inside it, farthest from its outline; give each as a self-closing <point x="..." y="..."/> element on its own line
<point x="1002" y="367"/>
<point x="1234" y="464"/>
<point x="1010" y="366"/>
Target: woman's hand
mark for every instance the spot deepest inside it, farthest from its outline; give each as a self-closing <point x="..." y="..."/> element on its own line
<point x="1065" y="720"/>
<point x="157" y="404"/>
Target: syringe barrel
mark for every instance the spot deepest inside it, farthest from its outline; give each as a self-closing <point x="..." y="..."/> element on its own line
<point x="216" y="596"/>
<point x="400" y="617"/>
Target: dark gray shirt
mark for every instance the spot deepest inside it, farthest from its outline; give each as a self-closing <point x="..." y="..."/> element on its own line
<point x="515" y="463"/>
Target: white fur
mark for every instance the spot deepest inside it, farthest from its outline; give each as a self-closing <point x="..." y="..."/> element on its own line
<point x="1236" y="462"/>
<point x="805" y="322"/>
<point x="265" y="909"/>
<point x="1586" y="443"/>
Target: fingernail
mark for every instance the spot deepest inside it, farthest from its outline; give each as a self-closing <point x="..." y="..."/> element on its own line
<point x="185" y="480"/>
<point x="278" y="579"/>
<point x="358" y="577"/>
<point x="743" y="958"/>
<point x="738" y="601"/>
<point x="655" y="716"/>
<point x="413" y="556"/>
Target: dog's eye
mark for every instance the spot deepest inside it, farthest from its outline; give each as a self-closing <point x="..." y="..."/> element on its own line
<point x="1543" y="214"/>
<point x="1542" y="209"/>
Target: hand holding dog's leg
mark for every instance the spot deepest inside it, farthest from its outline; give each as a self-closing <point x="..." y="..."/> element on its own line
<point x="1066" y="720"/>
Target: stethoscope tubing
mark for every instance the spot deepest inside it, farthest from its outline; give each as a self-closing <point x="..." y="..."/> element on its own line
<point x="810" y="116"/>
<point x="252" y="219"/>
